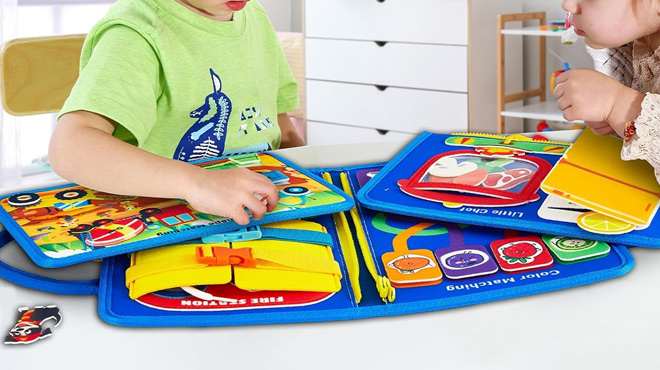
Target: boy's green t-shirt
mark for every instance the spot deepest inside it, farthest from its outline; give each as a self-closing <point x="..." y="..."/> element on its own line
<point x="184" y="86"/>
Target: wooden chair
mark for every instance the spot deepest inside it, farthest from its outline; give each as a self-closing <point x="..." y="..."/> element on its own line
<point x="37" y="74"/>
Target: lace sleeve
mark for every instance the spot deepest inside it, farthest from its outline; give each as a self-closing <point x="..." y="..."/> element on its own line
<point x="647" y="124"/>
<point x="614" y="62"/>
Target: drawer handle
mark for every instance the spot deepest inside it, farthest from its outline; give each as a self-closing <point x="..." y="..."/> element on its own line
<point x="381" y="43"/>
<point x="381" y="1"/>
<point x="381" y="87"/>
<point x="382" y="132"/>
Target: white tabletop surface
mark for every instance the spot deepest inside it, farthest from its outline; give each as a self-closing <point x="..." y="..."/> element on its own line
<point x="613" y="324"/>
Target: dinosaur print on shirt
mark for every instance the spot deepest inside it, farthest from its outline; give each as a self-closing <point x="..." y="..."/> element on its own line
<point x="207" y="136"/>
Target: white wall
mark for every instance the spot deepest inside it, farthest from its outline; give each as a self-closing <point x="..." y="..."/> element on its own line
<point x="285" y="15"/>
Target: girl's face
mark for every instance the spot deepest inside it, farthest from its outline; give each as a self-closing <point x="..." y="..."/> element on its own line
<point x="220" y="10"/>
<point x="611" y="23"/>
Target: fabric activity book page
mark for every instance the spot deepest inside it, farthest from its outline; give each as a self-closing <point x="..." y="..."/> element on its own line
<point x="375" y="264"/>
<point x="70" y="224"/>
<point x="495" y="181"/>
<point x="593" y="175"/>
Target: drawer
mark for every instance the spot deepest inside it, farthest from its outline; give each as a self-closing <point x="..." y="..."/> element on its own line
<point x="405" y="110"/>
<point x="421" y="66"/>
<point x="421" y="21"/>
<point x="320" y="133"/>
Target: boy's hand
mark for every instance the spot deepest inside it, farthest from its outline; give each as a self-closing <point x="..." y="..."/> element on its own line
<point x="601" y="102"/>
<point x="228" y="192"/>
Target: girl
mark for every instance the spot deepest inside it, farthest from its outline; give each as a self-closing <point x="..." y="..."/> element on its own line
<point x="623" y="37"/>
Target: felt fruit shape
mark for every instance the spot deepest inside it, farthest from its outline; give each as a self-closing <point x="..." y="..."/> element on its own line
<point x="411" y="264"/>
<point x="573" y="244"/>
<point x="520" y="252"/>
<point x="464" y="260"/>
<point x="599" y="223"/>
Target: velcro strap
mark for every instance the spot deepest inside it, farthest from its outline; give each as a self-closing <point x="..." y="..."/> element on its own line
<point x="161" y="266"/>
<point x="278" y="260"/>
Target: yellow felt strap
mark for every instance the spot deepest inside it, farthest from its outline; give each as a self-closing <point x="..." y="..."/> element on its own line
<point x="288" y="260"/>
<point x="348" y="248"/>
<point x="178" y="263"/>
<point x="254" y="265"/>
<point x="385" y="289"/>
<point x="291" y="260"/>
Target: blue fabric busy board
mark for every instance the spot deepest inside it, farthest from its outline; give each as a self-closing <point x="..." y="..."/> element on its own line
<point x="463" y="255"/>
<point x="491" y="181"/>
<point x="386" y="264"/>
<point x="389" y="265"/>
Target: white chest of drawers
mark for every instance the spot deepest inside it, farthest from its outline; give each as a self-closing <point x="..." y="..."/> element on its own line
<point x="389" y="69"/>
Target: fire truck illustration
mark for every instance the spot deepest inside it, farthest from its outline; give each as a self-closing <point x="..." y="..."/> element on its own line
<point x="107" y="232"/>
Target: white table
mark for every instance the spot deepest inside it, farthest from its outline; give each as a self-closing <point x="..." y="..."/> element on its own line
<point x="613" y="324"/>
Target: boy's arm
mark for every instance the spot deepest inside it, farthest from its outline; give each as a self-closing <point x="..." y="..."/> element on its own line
<point x="290" y="136"/>
<point x="83" y="150"/>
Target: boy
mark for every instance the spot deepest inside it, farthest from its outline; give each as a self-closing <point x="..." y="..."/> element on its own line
<point x="164" y="82"/>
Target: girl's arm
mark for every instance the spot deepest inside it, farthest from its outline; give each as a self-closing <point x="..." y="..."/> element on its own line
<point x="83" y="150"/>
<point x="646" y="143"/>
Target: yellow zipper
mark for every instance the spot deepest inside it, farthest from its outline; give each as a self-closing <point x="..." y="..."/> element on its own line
<point x="385" y="289"/>
<point x="348" y="248"/>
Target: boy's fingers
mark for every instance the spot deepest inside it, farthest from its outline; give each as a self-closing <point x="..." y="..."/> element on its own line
<point x="240" y="217"/>
<point x="270" y="206"/>
<point x="256" y="207"/>
<point x="238" y="213"/>
<point x="271" y="193"/>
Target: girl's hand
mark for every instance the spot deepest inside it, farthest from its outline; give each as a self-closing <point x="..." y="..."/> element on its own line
<point x="598" y="100"/>
<point x="229" y="192"/>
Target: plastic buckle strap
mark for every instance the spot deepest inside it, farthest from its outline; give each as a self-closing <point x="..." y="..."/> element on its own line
<point x="302" y="236"/>
<point x="222" y="256"/>
<point x="244" y="234"/>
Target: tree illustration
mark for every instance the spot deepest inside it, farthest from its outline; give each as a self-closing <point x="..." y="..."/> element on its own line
<point x="207" y="149"/>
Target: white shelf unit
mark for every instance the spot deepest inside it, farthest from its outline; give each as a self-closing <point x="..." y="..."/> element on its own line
<point x="531" y="31"/>
<point x="393" y="68"/>
<point x="541" y="110"/>
<point x="545" y="110"/>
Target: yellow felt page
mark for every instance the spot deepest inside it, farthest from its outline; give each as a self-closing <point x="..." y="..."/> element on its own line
<point x="295" y="270"/>
<point x="593" y="174"/>
<point x="171" y="267"/>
